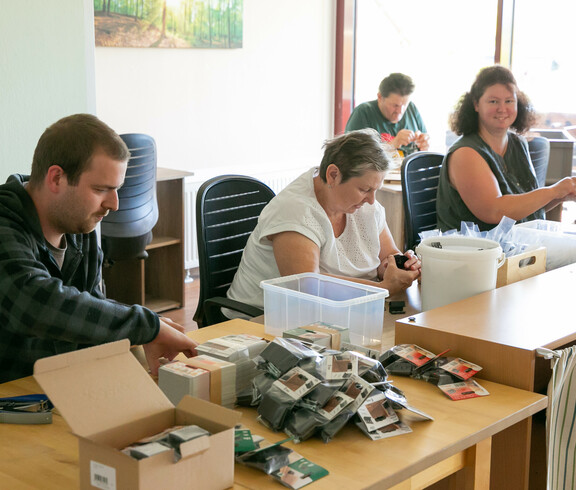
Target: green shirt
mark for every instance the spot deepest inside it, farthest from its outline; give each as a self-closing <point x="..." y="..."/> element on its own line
<point x="368" y="115"/>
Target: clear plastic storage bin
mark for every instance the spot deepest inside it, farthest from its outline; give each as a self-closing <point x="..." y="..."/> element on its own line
<point x="301" y="299"/>
<point x="558" y="238"/>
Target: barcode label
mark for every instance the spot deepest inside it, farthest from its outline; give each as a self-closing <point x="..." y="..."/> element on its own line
<point x="102" y="476"/>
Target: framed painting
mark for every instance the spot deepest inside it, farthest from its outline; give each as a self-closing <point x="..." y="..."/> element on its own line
<point x="168" y="23"/>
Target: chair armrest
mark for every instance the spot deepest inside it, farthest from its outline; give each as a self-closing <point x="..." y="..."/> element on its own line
<point x="212" y="308"/>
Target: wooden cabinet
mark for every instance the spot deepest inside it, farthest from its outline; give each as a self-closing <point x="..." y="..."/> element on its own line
<point x="156" y="282"/>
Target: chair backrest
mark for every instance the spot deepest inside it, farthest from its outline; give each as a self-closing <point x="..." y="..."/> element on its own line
<point x="539" y="148"/>
<point x="419" y="176"/>
<point x="227" y="210"/>
<point x="127" y="231"/>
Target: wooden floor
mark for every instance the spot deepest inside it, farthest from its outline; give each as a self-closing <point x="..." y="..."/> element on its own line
<point x="183" y="316"/>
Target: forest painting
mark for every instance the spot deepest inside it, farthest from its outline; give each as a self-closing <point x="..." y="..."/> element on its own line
<point x="168" y="23"/>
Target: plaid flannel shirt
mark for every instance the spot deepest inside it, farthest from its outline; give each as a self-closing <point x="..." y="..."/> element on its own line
<point x="44" y="310"/>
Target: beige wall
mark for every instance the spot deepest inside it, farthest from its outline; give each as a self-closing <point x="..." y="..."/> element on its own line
<point x="46" y="72"/>
<point x="268" y="105"/>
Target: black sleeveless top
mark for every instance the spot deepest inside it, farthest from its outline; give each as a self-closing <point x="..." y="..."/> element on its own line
<point x="513" y="171"/>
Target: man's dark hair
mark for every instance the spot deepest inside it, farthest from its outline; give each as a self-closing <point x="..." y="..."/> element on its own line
<point x="70" y="143"/>
<point x="396" y="83"/>
<point x="355" y="153"/>
<point x="464" y="119"/>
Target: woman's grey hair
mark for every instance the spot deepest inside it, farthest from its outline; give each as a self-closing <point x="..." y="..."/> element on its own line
<point x="355" y="153"/>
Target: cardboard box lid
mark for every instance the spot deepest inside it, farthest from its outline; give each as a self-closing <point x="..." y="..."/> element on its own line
<point x="100" y="388"/>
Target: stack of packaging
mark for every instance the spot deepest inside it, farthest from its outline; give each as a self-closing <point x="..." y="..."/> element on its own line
<point x="222" y="378"/>
<point x="451" y="374"/>
<point x="177" y="379"/>
<point x="238" y="349"/>
<point x="304" y="392"/>
<point x="223" y="366"/>
<point x="202" y="377"/>
<point x="305" y="389"/>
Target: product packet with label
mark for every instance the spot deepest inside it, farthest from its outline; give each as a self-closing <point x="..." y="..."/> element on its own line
<point x="461" y="368"/>
<point x="464" y="390"/>
<point x="414" y="354"/>
<point x="299" y="472"/>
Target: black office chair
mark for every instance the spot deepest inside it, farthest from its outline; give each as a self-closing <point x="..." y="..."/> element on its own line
<point x="419" y="176"/>
<point x="127" y="231"/>
<point x="539" y="148"/>
<point x="227" y="210"/>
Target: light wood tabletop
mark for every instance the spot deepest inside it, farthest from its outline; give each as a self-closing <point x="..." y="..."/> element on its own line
<point x="45" y="456"/>
<point x="501" y="331"/>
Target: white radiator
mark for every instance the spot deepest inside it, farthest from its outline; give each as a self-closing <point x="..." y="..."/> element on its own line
<point x="275" y="180"/>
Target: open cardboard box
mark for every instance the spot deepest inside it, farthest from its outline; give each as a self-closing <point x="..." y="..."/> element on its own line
<point x="109" y="401"/>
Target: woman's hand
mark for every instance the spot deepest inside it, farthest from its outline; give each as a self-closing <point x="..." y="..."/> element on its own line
<point x="565" y="189"/>
<point x="413" y="263"/>
<point x="396" y="280"/>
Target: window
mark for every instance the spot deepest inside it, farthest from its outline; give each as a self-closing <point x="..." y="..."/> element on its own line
<point x="543" y="59"/>
<point x="442" y="52"/>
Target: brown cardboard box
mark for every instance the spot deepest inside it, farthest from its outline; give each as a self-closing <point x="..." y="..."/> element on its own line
<point x="521" y="266"/>
<point x="109" y="401"/>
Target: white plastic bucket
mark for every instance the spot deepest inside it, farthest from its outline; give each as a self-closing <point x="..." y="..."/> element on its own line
<point x="457" y="267"/>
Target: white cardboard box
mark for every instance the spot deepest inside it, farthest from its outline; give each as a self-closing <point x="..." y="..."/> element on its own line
<point x="110" y="401"/>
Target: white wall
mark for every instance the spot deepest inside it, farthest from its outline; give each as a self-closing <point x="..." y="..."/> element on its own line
<point x="266" y="106"/>
<point x="46" y="72"/>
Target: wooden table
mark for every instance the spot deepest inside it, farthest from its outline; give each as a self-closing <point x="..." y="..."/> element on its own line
<point x="501" y="330"/>
<point x="456" y="443"/>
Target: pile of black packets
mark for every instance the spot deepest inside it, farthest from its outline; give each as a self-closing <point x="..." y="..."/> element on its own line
<point x="306" y="390"/>
<point x="451" y="374"/>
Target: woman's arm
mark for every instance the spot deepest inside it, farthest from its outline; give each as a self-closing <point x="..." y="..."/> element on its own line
<point x="470" y="174"/>
<point x="295" y="254"/>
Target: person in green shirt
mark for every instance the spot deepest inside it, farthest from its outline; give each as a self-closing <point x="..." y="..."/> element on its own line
<point x="393" y="115"/>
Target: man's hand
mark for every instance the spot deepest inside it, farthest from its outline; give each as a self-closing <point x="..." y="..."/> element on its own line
<point x="422" y="141"/>
<point x="172" y="323"/>
<point x="169" y="342"/>
<point x="403" y="138"/>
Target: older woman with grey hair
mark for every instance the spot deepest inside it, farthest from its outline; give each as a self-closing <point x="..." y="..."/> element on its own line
<point x="328" y="221"/>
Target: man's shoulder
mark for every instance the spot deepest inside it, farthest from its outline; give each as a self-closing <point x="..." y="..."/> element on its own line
<point x="412" y="119"/>
<point x="365" y="115"/>
<point x="12" y="194"/>
<point x="412" y="110"/>
<point x="366" y="107"/>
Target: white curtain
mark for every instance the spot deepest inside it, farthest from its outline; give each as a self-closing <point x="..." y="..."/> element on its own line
<point x="560" y="421"/>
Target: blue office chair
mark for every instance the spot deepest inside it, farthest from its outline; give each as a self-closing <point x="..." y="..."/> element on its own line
<point x="419" y="174"/>
<point x="539" y="148"/>
<point x="127" y="231"/>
